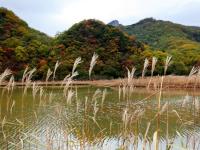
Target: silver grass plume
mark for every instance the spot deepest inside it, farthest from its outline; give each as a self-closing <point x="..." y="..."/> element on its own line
<point x="146" y="64"/>
<point x="55" y="68"/>
<point x="3" y="76"/>
<point x="153" y="65"/>
<point x="130" y="74"/>
<point x="92" y="63"/>
<point x="167" y="64"/>
<point x="77" y="61"/>
<point x="49" y="73"/>
<point x="193" y="71"/>
<point x="24" y="74"/>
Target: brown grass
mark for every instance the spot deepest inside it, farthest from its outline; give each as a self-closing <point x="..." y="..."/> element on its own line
<point x="169" y="82"/>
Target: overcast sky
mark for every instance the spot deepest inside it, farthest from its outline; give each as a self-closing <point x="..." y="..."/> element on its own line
<point x="53" y="16"/>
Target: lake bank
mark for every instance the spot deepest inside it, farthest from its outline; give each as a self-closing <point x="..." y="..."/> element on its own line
<point x="153" y="83"/>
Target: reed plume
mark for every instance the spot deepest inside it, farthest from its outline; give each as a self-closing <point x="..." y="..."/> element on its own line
<point x="4" y="75"/>
<point x="193" y="71"/>
<point x="92" y="63"/>
<point x="146" y="64"/>
<point x="49" y="73"/>
<point x="167" y="64"/>
<point x="11" y="84"/>
<point x="24" y="74"/>
<point x="76" y="63"/>
<point x="153" y="65"/>
<point x="55" y="68"/>
<point x="28" y="77"/>
<point x="130" y="74"/>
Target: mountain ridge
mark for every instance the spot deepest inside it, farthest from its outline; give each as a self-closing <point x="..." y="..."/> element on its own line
<point x="118" y="47"/>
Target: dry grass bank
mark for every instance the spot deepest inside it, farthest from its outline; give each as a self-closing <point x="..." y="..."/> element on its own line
<point x="154" y="82"/>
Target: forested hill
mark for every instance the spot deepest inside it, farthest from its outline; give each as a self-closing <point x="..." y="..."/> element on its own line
<point x="182" y="42"/>
<point x="165" y="35"/>
<point x="115" y="49"/>
<point x="20" y="45"/>
<point x="118" y="47"/>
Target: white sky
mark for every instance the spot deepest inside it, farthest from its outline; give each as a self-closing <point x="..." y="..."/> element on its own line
<point x="53" y="16"/>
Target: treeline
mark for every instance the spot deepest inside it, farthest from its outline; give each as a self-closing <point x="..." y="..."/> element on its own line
<point x="22" y="46"/>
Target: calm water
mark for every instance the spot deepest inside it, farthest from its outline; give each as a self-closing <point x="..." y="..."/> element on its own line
<point x="53" y="121"/>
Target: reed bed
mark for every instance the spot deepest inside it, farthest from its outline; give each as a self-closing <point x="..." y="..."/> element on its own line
<point x="88" y="121"/>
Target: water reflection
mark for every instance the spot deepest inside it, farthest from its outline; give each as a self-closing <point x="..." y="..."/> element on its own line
<point x="89" y="121"/>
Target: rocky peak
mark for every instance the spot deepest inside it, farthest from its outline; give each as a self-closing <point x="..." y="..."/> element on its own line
<point x="114" y="23"/>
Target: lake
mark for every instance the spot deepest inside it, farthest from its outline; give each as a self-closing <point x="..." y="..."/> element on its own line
<point x="88" y="117"/>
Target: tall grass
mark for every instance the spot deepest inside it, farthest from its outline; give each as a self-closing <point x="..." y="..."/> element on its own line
<point x="131" y="111"/>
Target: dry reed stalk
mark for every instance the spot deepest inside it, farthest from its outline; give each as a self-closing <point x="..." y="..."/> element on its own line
<point x="103" y="97"/>
<point x="4" y="75"/>
<point x="2" y="127"/>
<point x="49" y="73"/>
<point x="70" y="94"/>
<point x="119" y="92"/>
<point x="146" y="64"/>
<point x="41" y="94"/>
<point x="155" y="140"/>
<point x="35" y="89"/>
<point x="55" y="68"/>
<point x="66" y="87"/>
<point x="86" y="103"/>
<point x="76" y="63"/>
<point x="28" y="81"/>
<point x="11" y="108"/>
<point x="185" y="100"/>
<point x="130" y="75"/>
<point x="145" y="136"/>
<point x="153" y="66"/>
<point x="193" y="71"/>
<point x="10" y="84"/>
<point x="196" y="104"/>
<point x="24" y="74"/>
<point x="95" y="109"/>
<point x="67" y="77"/>
<point x="96" y="95"/>
<point x="167" y="64"/>
<point x="158" y="117"/>
<point x="92" y="64"/>
<point x="125" y="119"/>
<point x="124" y="91"/>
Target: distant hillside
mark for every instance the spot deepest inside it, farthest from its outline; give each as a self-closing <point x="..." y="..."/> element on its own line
<point x="20" y="45"/>
<point x="118" y="47"/>
<point x="182" y="42"/>
<point x="114" y="48"/>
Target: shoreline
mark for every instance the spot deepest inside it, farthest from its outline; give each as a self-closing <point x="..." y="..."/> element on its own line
<point x="180" y="82"/>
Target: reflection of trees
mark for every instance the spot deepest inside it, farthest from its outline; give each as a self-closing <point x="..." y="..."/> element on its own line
<point x="57" y="121"/>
